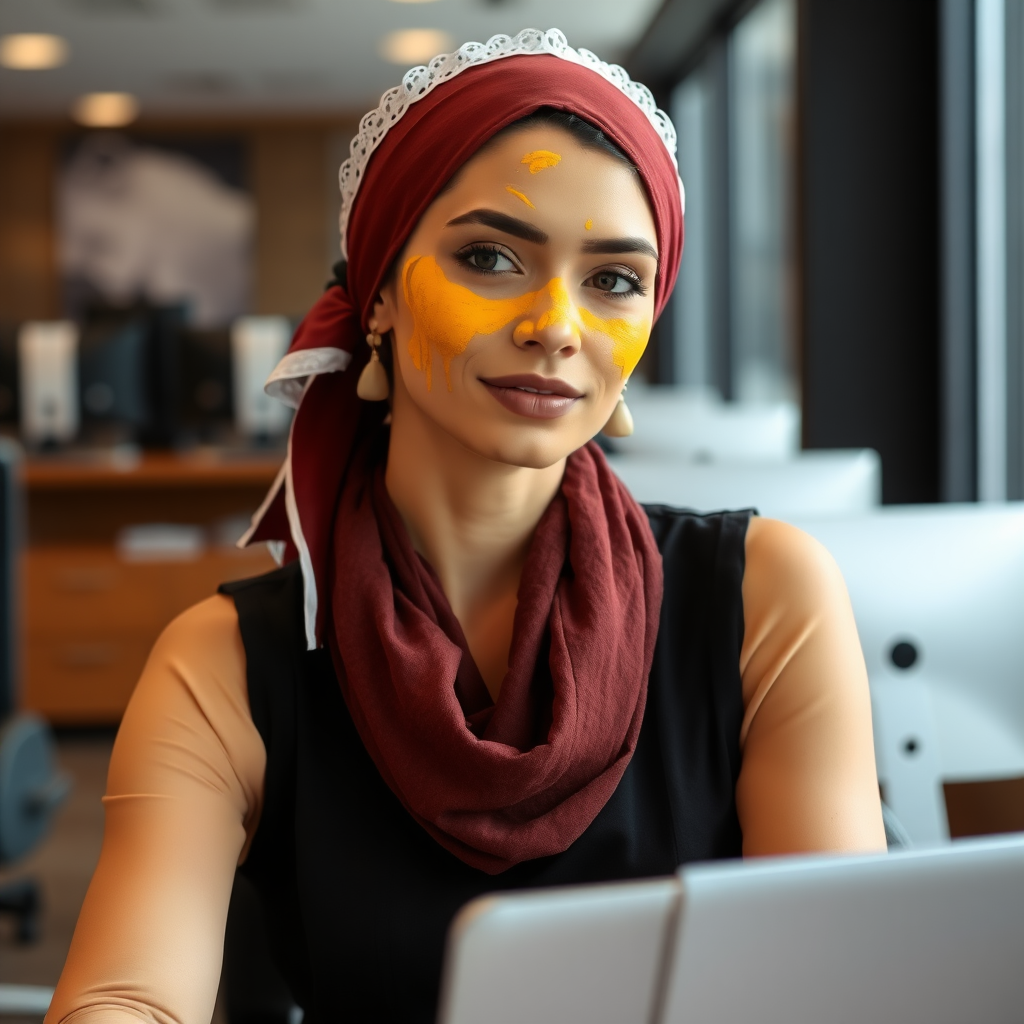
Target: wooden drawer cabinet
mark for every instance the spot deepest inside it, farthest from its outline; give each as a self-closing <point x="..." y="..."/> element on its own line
<point x="88" y="588"/>
<point x="89" y="617"/>
<point x="90" y="620"/>
<point x="85" y="679"/>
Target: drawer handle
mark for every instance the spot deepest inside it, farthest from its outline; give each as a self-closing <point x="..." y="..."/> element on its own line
<point x="88" y="655"/>
<point x="86" y="581"/>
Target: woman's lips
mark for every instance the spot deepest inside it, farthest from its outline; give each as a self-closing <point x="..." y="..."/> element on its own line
<point x="530" y="395"/>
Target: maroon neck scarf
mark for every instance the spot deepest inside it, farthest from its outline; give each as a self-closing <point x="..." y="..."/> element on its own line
<point x="501" y="783"/>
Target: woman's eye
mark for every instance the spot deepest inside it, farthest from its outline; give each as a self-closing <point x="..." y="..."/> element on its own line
<point x="491" y="261"/>
<point x="614" y="283"/>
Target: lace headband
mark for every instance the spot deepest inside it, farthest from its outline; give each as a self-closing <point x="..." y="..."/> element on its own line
<point x="420" y="81"/>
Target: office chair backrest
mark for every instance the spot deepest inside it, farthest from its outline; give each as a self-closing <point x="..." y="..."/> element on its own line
<point x="11" y="536"/>
<point x="937" y="591"/>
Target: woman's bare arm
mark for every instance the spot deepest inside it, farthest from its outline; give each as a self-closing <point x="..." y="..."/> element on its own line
<point x="183" y="798"/>
<point x="807" y="780"/>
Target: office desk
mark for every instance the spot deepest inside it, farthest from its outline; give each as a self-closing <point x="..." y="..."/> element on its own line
<point x="90" y="614"/>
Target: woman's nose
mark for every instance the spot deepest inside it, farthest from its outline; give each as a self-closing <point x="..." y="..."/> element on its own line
<point x="554" y="322"/>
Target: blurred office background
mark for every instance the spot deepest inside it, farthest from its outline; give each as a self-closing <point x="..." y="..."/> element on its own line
<point x="847" y="331"/>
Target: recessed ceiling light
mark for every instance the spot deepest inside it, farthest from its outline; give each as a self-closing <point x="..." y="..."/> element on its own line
<point x="415" y="45"/>
<point x="32" y="51"/>
<point x="105" y="109"/>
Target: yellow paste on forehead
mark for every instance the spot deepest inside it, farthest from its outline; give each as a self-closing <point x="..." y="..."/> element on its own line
<point x="520" y="195"/>
<point x="447" y="316"/>
<point x="589" y="224"/>
<point x="541" y="159"/>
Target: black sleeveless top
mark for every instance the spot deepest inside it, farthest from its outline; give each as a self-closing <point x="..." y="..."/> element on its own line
<point x="358" y="897"/>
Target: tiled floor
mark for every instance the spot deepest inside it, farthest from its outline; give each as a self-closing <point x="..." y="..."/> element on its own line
<point x="63" y="864"/>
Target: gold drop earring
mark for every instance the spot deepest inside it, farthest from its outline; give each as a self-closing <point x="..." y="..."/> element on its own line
<point x="620" y="423"/>
<point x="373" y="381"/>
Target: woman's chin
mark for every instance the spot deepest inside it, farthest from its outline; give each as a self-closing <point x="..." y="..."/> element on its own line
<point x="528" y="449"/>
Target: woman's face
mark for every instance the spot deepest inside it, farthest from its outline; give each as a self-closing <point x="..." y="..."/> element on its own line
<point x="524" y="298"/>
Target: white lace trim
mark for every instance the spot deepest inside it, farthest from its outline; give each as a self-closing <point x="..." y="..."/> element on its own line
<point x="285" y="480"/>
<point x="257" y="516"/>
<point x="420" y="81"/>
<point x="288" y="380"/>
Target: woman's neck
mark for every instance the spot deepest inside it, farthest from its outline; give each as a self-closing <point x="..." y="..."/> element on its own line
<point x="472" y="519"/>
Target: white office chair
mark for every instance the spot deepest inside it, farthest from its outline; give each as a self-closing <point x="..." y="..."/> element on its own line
<point x="697" y="425"/>
<point x="938" y="593"/>
<point x="813" y="483"/>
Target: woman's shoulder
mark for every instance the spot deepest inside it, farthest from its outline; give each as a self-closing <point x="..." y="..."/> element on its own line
<point x="808" y="778"/>
<point x="213" y="620"/>
<point x="800" y="637"/>
<point x="788" y="570"/>
<point x="201" y="650"/>
<point x="191" y="705"/>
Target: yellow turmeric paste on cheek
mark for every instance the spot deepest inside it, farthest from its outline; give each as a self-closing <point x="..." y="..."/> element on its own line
<point x="629" y="339"/>
<point x="447" y="316"/>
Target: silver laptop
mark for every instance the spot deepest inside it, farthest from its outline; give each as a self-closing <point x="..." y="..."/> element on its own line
<point x="916" y="937"/>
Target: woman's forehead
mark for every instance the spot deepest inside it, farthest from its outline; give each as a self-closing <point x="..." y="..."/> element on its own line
<point x="543" y="173"/>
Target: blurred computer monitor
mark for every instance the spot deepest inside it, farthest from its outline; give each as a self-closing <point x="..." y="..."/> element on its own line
<point x="115" y="373"/>
<point x="938" y="594"/>
<point x="205" y="398"/>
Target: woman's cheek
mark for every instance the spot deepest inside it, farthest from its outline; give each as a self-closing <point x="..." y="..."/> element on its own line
<point x="628" y="337"/>
<point x="447" y="316"/>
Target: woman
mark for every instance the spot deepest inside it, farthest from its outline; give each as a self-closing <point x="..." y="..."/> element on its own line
<point x="484" y="667"/>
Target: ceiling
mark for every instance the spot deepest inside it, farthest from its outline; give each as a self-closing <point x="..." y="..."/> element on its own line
<point x="230" y="57"/>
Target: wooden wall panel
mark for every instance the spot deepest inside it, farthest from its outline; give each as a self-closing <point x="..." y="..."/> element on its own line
<point x="28" y="272"/>
<point x="288" y="170"/>
<point x="292" y="174"/>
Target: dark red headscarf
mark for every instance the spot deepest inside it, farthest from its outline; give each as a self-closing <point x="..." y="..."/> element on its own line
<point x="494" y="784"/>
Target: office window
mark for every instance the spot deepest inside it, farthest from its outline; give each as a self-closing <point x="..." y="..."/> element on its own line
<point x="735" y="315"/>
<point x="1014" y="184"/>
<point x="694" y="355"/>
<point x="761" y="149"/>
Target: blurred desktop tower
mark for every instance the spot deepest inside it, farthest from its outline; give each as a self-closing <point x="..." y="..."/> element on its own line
<point x="204" y="400"/>
<point x="257" y="345"/>
<point x="47" y="355"/>
<point x="128" y="374"/>
<point x="114" y="375"/>
<point x="166" y="325"/>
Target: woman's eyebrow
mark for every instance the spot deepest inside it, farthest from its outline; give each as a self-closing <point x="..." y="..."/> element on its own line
<point x="610" y="246"/>
<point x="502" y="222"/>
